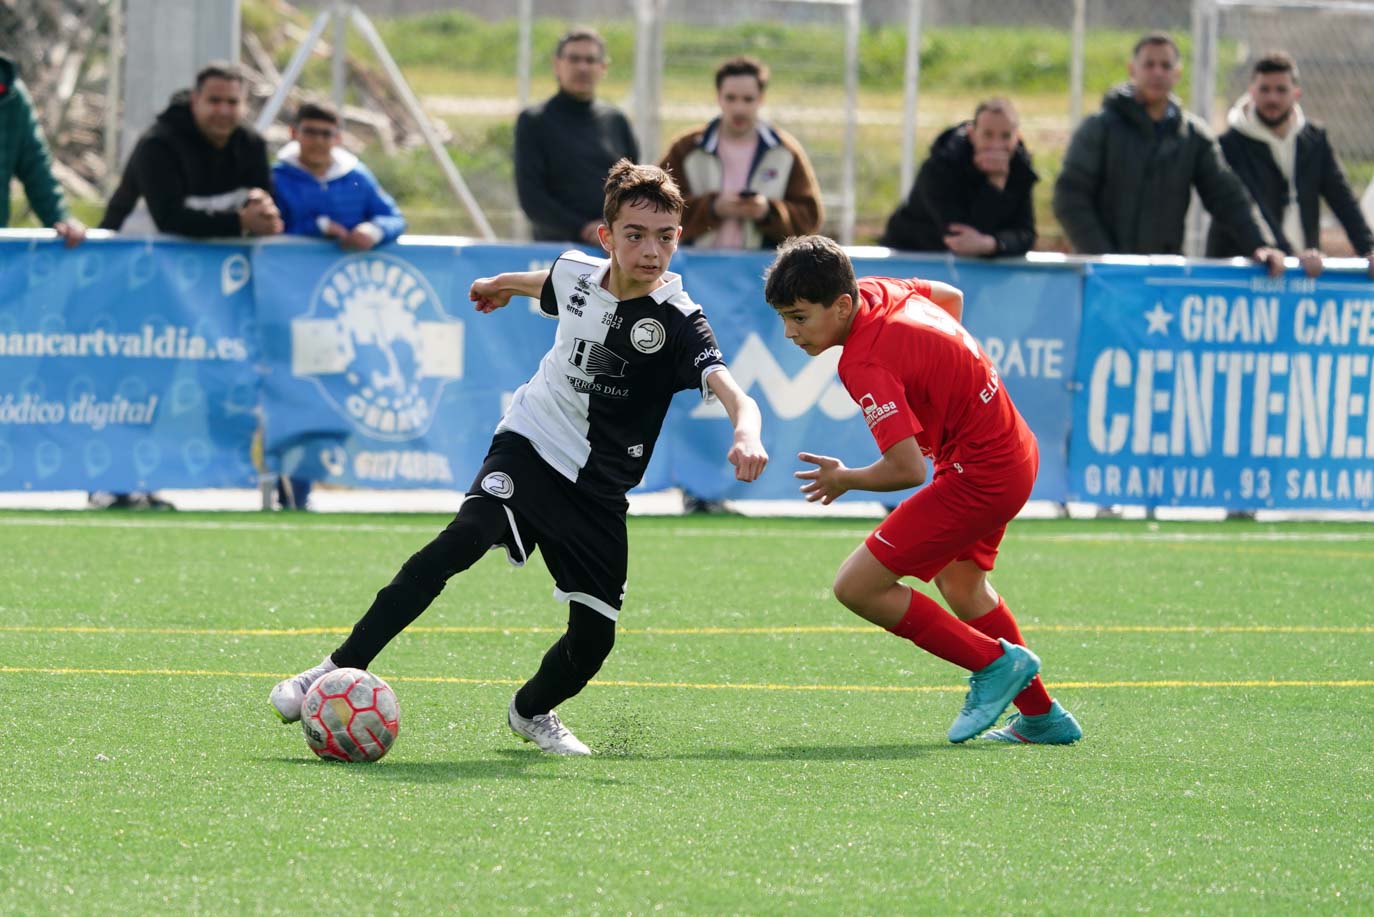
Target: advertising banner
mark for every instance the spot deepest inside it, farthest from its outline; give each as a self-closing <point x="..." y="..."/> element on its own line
<point x="126" y="366"/>
<point x="1218" y="386"/>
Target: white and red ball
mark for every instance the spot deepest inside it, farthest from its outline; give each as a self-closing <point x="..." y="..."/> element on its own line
<point x="350" y="715"/>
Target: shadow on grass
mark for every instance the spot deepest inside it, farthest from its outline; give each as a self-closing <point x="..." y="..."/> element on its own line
<point x="890" y="752"/>
<point x="510" y="764"/>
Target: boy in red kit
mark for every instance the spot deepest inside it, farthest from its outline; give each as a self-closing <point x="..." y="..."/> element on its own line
<point x="926" y="389"/>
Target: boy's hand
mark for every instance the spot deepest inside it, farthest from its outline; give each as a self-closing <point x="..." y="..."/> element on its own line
<point x="487" y="293"/>
<point x="748" y="456"/>
<point x="824" y="482"/>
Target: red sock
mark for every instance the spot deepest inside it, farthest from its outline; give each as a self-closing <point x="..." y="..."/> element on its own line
<point x="1035" y="700"/>
<point x="941" y="634"/>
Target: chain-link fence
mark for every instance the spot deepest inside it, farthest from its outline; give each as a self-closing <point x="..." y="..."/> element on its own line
<point x="846" y="81"/>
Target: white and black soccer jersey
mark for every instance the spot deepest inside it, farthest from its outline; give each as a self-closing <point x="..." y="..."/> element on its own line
<point x="594" y="408"/>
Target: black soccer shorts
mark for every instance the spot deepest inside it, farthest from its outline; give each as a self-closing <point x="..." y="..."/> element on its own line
<point x="581" y="535"/>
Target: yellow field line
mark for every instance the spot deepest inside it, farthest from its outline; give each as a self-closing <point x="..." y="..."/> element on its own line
<point x="685" y="631"/>
<point x="707" y="686"/>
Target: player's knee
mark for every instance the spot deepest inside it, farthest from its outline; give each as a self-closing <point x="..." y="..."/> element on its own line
<point x="590" y="639"/>
<point x="851" y="592"/>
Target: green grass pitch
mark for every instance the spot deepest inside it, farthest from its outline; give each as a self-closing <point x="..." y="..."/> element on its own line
<point x="760" y="750"/>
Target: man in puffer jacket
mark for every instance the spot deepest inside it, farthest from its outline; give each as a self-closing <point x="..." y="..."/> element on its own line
<point x="973" y="195"/>
<point x="1129" y="169"/>
<point x="1287" y="164"/>
<point x="322" y="189"/>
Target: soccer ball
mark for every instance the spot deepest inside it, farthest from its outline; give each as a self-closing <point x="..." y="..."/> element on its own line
<point x="350" y="715"/>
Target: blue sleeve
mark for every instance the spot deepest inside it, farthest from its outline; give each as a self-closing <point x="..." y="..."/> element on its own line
<point x="381" y="209"/>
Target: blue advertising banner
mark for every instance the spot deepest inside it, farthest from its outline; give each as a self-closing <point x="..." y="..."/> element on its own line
<point x="125" y="366"/>
<point x="1025" y="316"/>
<point x="1213" y="386"/>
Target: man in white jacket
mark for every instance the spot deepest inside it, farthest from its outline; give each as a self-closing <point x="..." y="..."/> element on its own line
<point x="1288" y="165"/>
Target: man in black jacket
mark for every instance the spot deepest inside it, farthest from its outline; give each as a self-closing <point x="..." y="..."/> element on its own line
<point x="565" y="145"/>
<point x="973" y="195"/>
<point x="198" y="171"/>
<point x="1130" y="168"/>
<point x="1287" y="164"/>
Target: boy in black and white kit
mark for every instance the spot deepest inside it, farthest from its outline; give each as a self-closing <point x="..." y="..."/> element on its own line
<point x="577" y="436"/>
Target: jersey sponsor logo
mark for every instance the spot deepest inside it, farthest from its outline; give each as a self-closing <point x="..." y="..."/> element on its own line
<point x="708" y="354"/>
<point x="878" y="534"/>
<point x="636" y="451"/>
<point x="379" y="345"/>
<point x="596" y="359"/>
<point x="499" y="485"/>
<point x="875" y="413"/>
<point x="584" y="282"/>
<point x="647" y="335"/>
<point x="575" y="304"/>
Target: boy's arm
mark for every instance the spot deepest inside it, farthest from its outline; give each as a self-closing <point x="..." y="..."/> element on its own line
<point x="491" y="293"/>
<point x="900" y="467"/>
<point x="947" y="297"/>
<point x="746" y="452"/>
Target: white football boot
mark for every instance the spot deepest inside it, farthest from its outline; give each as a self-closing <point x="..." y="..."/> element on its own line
<point x="289" y="694"/>
<point x="545" y="730"/>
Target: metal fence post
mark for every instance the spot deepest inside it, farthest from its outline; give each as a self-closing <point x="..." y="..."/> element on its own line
<point x="911" y="94"/>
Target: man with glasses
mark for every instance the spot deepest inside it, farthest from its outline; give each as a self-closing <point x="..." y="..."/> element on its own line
<point x="565" y="145"/>
<point x="324" y="190"/>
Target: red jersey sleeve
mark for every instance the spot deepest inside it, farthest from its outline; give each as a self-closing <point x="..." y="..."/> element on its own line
<point x="882" y="400"/>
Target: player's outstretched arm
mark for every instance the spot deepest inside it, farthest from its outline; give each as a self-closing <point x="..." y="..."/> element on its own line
<point x="491" y="293"/>
<point x="746" y="452"/>
<point x="900" y="467"/>
<point x="947" y="297"/>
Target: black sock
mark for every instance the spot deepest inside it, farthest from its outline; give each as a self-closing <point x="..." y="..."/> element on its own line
<point x="480" y="523"/>
<point x="570" y="663"/>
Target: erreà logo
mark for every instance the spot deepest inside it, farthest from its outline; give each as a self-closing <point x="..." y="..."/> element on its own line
<point x="379" y="345"/>
<point x="873" y="411"/>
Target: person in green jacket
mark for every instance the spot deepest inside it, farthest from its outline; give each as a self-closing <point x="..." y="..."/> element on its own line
<point x="1128" y="174"/>
<point x="24" y="155"/>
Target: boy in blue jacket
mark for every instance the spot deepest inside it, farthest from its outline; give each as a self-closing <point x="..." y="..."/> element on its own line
<point x="322" y="189"/>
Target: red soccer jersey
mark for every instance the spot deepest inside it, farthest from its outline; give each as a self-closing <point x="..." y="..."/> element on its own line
<point x="914" y="370"/>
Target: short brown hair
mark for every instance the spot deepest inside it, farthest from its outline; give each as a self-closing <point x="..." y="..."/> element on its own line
<point x="743" y="65"/>
<point x="218" y="70"/>
<point x="813" y="268"/>
<point x="1276" y="62"/>
<point x="999" y="104"/>
<point x="628" y="182"/>
<point x="1156" y="38"/>
<point x="316" y="111"/>
<point x="580" y="33"/>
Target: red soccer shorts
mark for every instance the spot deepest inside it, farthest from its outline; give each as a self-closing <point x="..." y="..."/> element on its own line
<point x="960" y="515"/>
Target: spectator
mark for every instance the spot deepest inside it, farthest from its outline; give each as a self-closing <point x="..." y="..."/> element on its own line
<point x="973" y="195"/>
<point x="1287" y="164"/>
<point x="565" y="146"/>
<point x="747" y="184"/>
<point x="198" y="171"/>
<point x="24" y="155"/>
<point x="1125" y="184"/>
<point x="323" y="190"/>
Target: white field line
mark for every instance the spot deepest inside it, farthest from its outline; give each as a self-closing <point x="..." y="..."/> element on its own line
<point x="789" y="532"/>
